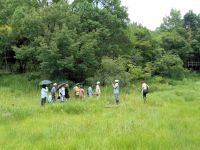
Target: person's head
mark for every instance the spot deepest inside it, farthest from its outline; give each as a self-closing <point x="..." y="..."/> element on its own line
<point x="44" y="86"/>
<point x="142" y="81"/>
<point x="116" y="81"/>
<point x="55" y="84"/>
<point x="98" y="82"/>
<point x="66" y="85"/>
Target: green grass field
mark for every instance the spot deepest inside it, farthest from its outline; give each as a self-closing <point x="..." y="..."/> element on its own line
<point x="170" y="119"/>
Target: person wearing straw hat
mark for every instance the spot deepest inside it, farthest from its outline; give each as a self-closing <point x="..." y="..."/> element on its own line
<point x="53" y="92"/>
<point x="116" y="91"/>
<point x="98" y="90"/>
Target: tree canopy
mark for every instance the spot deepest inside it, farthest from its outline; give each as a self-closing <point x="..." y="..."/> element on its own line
<point x="89" y="39"/>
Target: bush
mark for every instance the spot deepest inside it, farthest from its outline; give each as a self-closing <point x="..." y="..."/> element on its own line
<point x="169" y="65"/>
<point x="111" y="70"/>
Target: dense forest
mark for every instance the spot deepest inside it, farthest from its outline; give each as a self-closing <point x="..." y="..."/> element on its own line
<point x="88" y="40"/>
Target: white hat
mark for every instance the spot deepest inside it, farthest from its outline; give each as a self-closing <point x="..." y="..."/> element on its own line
<point x="117" y="81"/>
<point x="55" y="84"/>
<point x="98" y="82"/>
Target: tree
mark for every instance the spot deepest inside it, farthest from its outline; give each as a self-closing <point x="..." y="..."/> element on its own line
<point x="191" y="22"/>
<point x="172" y="22"/>
<point x="175" y="44"/>
<point x="145" y="47"/>
<point x="169" y="65"/>
<point x="111" y="70"/>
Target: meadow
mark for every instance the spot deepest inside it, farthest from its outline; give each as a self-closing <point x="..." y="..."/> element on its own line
<point x="169" y="120"/>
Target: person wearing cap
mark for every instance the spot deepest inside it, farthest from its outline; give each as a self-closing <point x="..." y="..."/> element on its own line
<point x="145" y="88"/>
<point x="116" y="91"/>
<point x="53" y="92"/>
<point x="98" y="90"/>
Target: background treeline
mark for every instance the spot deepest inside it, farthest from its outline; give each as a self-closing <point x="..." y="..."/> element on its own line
<point x="93" y="39"/>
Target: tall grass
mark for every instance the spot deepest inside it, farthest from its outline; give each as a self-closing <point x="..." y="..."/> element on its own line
<point x="170" y="119"/>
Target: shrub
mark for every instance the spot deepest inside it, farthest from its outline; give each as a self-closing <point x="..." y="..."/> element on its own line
<point x="111" y="69"/>
<point x="169" y="65"/>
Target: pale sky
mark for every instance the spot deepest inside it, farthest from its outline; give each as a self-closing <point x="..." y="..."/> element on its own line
<point x="151" y="12"/>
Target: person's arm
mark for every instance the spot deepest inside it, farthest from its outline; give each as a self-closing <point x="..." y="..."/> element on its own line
<point x="47" y="89"/>
<point x="115" y="86"/>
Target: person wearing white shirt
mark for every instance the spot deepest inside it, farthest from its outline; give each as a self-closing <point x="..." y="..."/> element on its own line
<point x="62" y="93"/>
<point x="98" y="90"/>
<point x="53" y="92"/>
<point x="44" y="92"/>
<point x="145" y="89"/>
<point x="116" y="91"/>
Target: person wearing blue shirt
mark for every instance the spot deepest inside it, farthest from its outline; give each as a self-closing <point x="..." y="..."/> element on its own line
<point x="89" y="92"/>
<point x="116" y="91"/>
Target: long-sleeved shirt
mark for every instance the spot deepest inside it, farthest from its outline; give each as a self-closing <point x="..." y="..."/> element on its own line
<point x="145" y="86"/>
<point x="116" y="88"/>
<point x="98" y="91"/>
<point x="62" y="91"/>
<point x="44" y="92"/>
<point x="89" y="91"/>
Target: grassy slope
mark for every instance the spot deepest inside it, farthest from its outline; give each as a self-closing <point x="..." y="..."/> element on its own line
<point x="170" y="120"/>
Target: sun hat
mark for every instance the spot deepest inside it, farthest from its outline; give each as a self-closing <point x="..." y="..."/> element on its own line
<point x="117" y="81"/>
<point x="55" y="84"/>
<point x="98" y="82"/>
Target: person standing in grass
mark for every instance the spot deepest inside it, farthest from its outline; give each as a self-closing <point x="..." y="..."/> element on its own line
<point x="89" y="92"/>
<point x="44" y="92"/>
<point x="66" y="91"/>
<point x="81" y="92"/>
<point x="145" y="89"/>
<point x="116" y="91"/>
<point x="77" y="90"/>
<point x="98" y="90"/>
<point x="62" y="93"/>
<point x="53" y="92"/>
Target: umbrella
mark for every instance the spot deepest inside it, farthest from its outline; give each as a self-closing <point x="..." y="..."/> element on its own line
<point x="60" y="85"/>
<point x="45" y="82"/>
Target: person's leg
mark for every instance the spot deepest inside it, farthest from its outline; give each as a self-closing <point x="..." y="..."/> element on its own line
<point x="62" y="99"/>
<point x="41" y="101"/>
<point x="144" y="96"/>
<point x="53" y="98"/>
<point x="45" y="100"/>
<point x="116" y="98"/>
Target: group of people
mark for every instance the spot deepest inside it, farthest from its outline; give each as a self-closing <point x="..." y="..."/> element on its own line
<point x="79" y="93"/>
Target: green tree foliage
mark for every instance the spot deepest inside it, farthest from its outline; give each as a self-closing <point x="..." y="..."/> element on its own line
<point x="93" y="40"/>
<point x="169" y="65"/>
<point x="110" y="70"/>
<point x="191" y="22"/>
<point x="172" y="22"/>
<point x="175" y="44"/>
